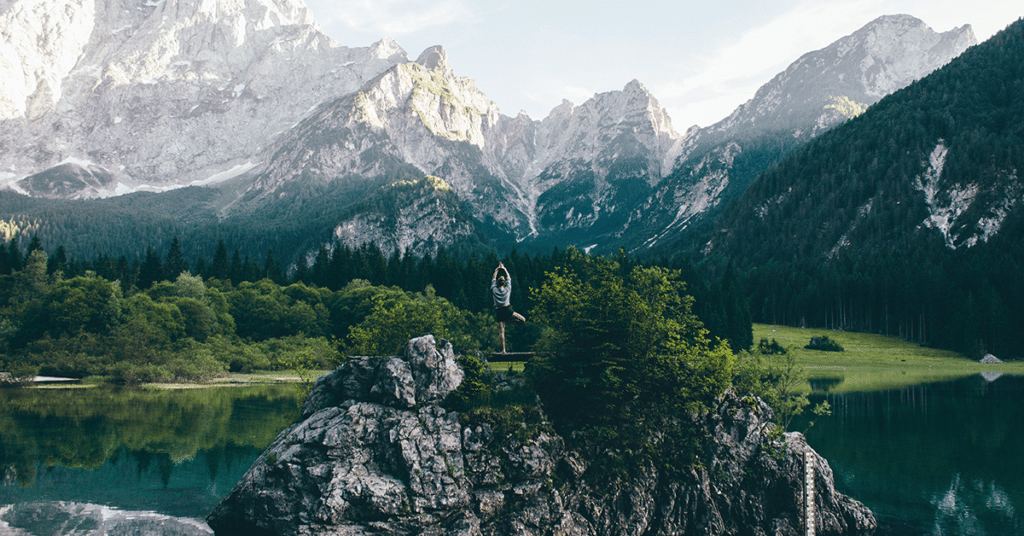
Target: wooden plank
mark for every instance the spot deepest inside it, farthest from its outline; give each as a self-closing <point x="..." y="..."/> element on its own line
<point x="515" y="357"/>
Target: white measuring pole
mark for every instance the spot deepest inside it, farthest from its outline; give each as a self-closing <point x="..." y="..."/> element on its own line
<point x="809" y="492"/>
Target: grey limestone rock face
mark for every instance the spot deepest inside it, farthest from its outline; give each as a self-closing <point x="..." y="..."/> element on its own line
<point x="375" y="453"/>
<point x="426" y="372"/>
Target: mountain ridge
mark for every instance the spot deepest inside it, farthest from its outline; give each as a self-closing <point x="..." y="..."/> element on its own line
<point x="138" y="76"/>
<point x="817" y="92"/>
<point x="272" y="138"/>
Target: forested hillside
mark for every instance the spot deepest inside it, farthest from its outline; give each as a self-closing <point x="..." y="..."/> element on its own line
<point x="906" y="220"/>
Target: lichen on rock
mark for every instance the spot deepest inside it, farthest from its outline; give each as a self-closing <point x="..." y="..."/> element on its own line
<point x="376" y="453"/>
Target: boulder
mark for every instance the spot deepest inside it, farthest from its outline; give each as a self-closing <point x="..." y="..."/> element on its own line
<point x="989" y="358"/>
<point x="375" y="453"/>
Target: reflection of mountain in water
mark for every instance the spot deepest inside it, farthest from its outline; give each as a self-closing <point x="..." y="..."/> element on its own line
<point x="59" y="517"/>
<point x="937" y="459"/>
<point x="961" y="509"/>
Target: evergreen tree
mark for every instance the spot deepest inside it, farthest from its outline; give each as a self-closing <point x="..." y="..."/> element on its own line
<point x="271" y="269"/>
<point x="237" y="268"/>
<point x="34" y="244"/>
<point x="5" y="265"/>
<point x="320" y="275"/>
<point x="59" y="262"/>
<point x="175" y="263"/>
<point x="151" y="270"/>
<point x="14" y="258"/>
<point x="220" y="269"/>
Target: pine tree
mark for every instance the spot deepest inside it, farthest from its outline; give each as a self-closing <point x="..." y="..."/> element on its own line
<point x="34" y="245"/>
<point x="151" y="270"/>
<point x="175" y="263"/>
<point x="220" y="269"/>
<point x="271" y="269"/>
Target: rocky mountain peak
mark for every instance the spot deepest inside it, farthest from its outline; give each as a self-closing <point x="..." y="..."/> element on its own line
<point x="389" y="49"/>
<point x="162" y="94"/>
<point x="435" y="58"/>
<point x="819" y="91"/>
<point x="895" y="50"/>
<point x="884" y="55"/>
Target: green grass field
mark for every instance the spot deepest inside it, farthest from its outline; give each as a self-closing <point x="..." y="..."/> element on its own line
<point x="869" y="362"/>
<point x="504" y="366"/>
<point x="873" y="362"/>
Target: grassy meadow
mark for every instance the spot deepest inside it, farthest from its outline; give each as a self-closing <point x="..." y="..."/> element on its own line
<point x="869" y="362"/>
<point x="872" y="362"/>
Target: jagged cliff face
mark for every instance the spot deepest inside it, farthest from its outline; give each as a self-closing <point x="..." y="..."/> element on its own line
<point x="523" y="177"/>
<point x="598" y="160"/>
<point x="817" y="92"/>
<point x="415" y="115"/>
<point x="110" y="96"/>
<point x="408" y="217"/>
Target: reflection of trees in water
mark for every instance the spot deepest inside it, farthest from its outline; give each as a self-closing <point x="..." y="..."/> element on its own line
<point x="932" y="456"/>
<point x="823" y="385"/>
<point x="84" y="428"/>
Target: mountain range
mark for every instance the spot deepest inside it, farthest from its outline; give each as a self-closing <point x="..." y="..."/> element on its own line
<point x="243" y="120"/>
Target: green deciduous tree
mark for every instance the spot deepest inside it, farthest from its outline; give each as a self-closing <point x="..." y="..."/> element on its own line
<point x="629" y="361"/>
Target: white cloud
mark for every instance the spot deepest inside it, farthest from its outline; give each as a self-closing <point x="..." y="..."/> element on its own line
<point x="709" y="91"/>
<point x="392" y="17"/>
<point x="713" y="86"/>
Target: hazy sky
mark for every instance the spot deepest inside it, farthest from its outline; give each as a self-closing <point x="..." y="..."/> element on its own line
<point x="700" y="59"/>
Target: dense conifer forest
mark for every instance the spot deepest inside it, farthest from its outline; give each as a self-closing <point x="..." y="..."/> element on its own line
<point x="844" y="233"/>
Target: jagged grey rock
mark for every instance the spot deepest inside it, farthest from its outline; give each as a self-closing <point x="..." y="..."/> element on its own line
<point x="160" y="94"/>
<point x="365" y="461"/>
<point x="820" y="90"/>
<point x="106" y="98"/>
<point x="989" y="358"/>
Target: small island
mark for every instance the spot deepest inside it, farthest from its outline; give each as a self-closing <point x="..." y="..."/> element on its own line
<point x="633" y="422"/>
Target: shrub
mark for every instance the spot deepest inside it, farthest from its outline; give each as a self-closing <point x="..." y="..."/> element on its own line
<point x="475" y="388"/>
<point x="824" y="344"/>
<point x="773" y="348"/>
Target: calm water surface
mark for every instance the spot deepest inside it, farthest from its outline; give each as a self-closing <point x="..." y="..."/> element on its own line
<point x="936" y="459"/>
<point x="130" y="461"/>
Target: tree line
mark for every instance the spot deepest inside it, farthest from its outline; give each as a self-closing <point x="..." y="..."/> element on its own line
<point x="150" y="318"/>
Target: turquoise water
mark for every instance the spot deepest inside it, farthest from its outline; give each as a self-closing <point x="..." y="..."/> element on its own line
<point x="937" y="459"/>
<point x="141" y="455"/>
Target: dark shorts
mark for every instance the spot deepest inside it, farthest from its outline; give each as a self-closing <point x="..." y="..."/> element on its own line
<point x="503" y="314"/>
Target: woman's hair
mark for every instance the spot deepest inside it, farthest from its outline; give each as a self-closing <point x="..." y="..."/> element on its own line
<point x="501" y="280"/>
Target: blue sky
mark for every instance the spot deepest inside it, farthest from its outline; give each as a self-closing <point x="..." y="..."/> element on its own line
<point x="700" y="59"/>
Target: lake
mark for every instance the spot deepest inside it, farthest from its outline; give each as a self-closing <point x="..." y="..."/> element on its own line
<point x="130" y="461"/>
<point x="936" y="459"/>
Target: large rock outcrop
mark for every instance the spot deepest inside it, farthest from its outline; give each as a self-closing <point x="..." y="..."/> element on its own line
<point x="376" y="454"/>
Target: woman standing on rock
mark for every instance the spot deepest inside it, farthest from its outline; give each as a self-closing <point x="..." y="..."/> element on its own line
<point x="501" y="290"/>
